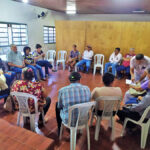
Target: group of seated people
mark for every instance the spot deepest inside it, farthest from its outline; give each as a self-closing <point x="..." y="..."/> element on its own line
<point x="33" y="60"/>
<point x="75" y="93"/>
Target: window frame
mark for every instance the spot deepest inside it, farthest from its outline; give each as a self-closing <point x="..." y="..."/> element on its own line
<point x="49" y="35"/>
<point x="9" y="24"/>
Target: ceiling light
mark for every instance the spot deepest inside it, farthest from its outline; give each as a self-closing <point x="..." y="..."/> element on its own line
<point x="25" y="1"/>
<point x="70" y="7"/>
<point x="71" y="12"/>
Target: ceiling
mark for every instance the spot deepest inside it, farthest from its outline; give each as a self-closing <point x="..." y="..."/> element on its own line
<point x="96" y="6"/>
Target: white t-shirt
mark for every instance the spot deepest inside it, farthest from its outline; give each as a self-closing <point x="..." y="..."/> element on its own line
<point x="140" y="68"/>
<point x="88" y="54"/>
<point x="115" y="58"/>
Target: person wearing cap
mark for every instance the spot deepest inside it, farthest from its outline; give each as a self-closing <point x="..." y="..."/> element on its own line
<point x="75" y="93"/>
<point x="87" y="58"/>
<point x="114" y="60"/>
<point x="138" y="66"/>
<point x="125" y="67"/>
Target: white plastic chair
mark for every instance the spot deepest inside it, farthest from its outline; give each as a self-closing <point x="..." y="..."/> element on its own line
<point x="144" y="126"/>
<point x="98" y="62"/>
<point x="110" y="108"/>
<point x="80" y="123"/>
<point x="62" y="55"/>
<point x="3" y="57"/>
<point x="50" y="56"/>
<point x="24" y="110"/>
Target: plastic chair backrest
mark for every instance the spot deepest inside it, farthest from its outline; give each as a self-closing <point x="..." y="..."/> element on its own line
<point x="22" y="99"/>
<point x="51" y="54"/>
<point x="111" y="103"/>
<point x="99" y="59"/>
<point x="62" y="55"/>
<point x="3" y="57"/>
<point x="143" y="117"/>
<point x="82" y="114"/>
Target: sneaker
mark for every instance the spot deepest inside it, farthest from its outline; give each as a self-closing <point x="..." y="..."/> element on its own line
<point x="43" y="79"/>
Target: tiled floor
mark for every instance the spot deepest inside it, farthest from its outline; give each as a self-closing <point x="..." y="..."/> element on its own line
<point x="60" y="79"/>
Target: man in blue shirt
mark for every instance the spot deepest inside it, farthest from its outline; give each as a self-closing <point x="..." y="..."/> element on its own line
<point x="75" y="93"/>
<point x="15" y="60"/>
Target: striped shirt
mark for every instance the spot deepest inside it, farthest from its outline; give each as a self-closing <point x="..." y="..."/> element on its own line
<point x="75" y="93"/>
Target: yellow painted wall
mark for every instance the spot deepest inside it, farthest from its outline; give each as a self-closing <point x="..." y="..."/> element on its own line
<point x="104" y="36"/>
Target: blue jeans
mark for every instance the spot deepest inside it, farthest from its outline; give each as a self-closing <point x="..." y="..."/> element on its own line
<point x="113" y="65"/>
<point x="121" y="68"/>
<point x="18" y="72"/>
<point x="10" y="78"/>
<point x="35" y="68"/>
<point x="46" y="64"/>
<point x="82" y="62"/>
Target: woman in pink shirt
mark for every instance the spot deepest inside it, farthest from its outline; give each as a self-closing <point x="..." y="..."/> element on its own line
<point x="125" y="67"/>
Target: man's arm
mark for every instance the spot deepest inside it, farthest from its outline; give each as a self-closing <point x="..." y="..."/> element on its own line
<point x="137" y="88"/>
<point x="111" y="58"/>
<point x="13" y="65"/>
<point x="145" y="102"/>
<point x="132" y="74"/>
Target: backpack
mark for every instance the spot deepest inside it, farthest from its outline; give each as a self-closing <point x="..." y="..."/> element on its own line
<point x="9" y="104"/>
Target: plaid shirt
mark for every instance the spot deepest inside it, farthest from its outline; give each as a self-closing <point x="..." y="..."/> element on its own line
<point x="70" y="95"/>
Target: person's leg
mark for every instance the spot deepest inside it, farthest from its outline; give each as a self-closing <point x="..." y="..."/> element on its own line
<point x="122" y="114"/>
<point x="119" y="69"/>
<point x="16" y="69"/>
<point x="88" y="65"/>
<point x="46" y="64"/>
<point x="114" y="68"/>
<point x="18" y="72"/>
<point x="127" y="97"/>
<point x="46" y="107"/>
<point x="5" y="92"/>
<point x="40" y="71"/>
<point x="34" y="70"/>
<point x="127" y="72"/>
<point x="106" y="66"/>
<point x="80" y="64"/>
<point x="58" y="118"/>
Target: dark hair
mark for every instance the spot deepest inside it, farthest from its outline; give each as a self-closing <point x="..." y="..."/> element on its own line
<point x="28" y="74"/>
<point x="25" y="49"/>
<point x="139" y="56"/>
<point x="118" y="49"/>
<point x="74" y="45"/>
<point x="74" y="76"/>
<point x="108" y="78"/>
<point x="38" y="46"/>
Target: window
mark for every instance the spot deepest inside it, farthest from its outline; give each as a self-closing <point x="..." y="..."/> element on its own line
<point x="49" y="35"/>
<point x="4" y="40"/>
<point x="12" y="33"/>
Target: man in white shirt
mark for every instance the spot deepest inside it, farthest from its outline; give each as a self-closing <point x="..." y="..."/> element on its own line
<point x="114" y="59"/>
<point x="138" y="66"/>
<point x="87" y="58"/>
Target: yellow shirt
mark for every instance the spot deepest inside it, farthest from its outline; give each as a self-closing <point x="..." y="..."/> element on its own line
<point x="3" y="84"/>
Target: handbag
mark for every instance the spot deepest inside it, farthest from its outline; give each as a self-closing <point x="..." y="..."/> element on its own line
<point x="9" y="104"/>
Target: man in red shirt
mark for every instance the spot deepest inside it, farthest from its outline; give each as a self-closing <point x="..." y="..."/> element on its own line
<point x="125" y="67"/>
